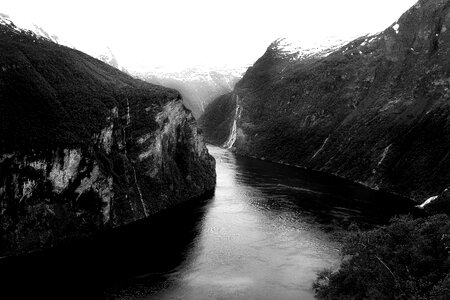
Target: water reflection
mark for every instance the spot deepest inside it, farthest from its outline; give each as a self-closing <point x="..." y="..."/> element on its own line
<point x="148" y="249"/>
<point x="266" y="232"/>
<point x="263" y="235"/>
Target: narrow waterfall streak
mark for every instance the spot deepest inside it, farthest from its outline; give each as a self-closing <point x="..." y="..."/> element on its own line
<point x="134" y="170"/>
<point x="233" y="135"/>
<point x="131" y="205"/>
<point x="125" y="128"/>
<point x="128" y="113"/>
<point x="321" y="147"/>
<point x="383" y="156"/>
<point x="139" y="191"/>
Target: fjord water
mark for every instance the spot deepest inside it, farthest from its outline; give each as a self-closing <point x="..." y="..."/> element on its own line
<point x="265" y="234"/>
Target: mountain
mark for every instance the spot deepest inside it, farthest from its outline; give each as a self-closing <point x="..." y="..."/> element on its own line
<point x="85" y="147"/>
<point x="106" y="55"/>
<point x="96" y="49"/>
<point x="199" y="86"/>
<point x="375" y="110"/>
<point x="28" y="27"/>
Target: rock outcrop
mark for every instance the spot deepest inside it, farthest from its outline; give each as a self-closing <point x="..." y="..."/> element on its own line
<point x="375" y="111"/>
<point x="85" y="147"/>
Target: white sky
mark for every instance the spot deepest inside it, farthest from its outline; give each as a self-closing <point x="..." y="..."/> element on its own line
<point x="185" y="33"/>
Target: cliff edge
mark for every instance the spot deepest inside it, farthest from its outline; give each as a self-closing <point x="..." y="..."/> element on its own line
<point x="85" y="147"/>
<point x="374" y="111"/>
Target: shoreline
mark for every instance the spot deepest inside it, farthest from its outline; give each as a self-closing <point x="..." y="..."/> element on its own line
<point x="110" y="230"/>
<point x="319" y="172"/>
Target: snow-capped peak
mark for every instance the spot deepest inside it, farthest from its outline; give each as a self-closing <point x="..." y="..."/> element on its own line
<point x="26" y="26"/>
<point x="199" y="73"/>
<point x="300" y="49"/>
<point x="5" y="20"/>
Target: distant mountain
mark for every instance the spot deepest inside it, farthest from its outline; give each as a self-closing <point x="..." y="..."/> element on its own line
<point x="85" y="147"/>
<point x="199" y="86"/>
<point x="375" y="110"/>
<point x="105" y="54"/>
<point x="294" y="50"/>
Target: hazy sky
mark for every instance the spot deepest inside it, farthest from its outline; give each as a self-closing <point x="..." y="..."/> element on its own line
<point x="183" y="33"/>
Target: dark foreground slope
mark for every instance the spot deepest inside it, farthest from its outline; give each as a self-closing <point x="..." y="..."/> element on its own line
<point x="375" y="111"/>
<point x="84" y="147"/>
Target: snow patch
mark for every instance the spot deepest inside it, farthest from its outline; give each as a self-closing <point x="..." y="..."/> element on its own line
<point x="24" y="25"/>
<point x="426" y="202"/>
<point x="396" y="27"/>
<point x="301" y="49"/>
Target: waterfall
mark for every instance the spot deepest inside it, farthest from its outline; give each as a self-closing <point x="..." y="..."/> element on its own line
<point x="232" y="138"/>
<point x="321" y="147"/>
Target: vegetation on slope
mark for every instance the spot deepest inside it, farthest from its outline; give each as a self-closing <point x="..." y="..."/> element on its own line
<point x="220" y="116"/>
<point x="135" y="147"/>
<point x="374" y="111"/>
<point x="407" y="259"/>
<point x="53" y="96"/>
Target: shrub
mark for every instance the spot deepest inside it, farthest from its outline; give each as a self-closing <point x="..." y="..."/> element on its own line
<point x="407" y="259"/>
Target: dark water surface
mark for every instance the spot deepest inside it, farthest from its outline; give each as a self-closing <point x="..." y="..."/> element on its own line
<point x="264" y="235"/>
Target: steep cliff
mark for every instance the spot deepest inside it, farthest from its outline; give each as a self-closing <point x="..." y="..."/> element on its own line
<point x="85" y="147"/>
<point x="375" y="111"/>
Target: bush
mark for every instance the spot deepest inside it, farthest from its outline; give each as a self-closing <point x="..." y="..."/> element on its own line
<point x="408" y="259"/>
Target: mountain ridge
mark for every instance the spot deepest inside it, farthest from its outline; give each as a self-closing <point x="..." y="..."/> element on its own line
<point x="199" y="86"/>
<point x="85" y="147"/>
<point x="373" y="111"/>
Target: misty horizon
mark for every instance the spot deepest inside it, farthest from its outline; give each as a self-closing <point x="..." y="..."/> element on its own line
<point x="179" y="35"/>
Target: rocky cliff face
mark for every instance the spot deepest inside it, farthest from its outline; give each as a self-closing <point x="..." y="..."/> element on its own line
<point x="375" y="110"/>
<point x="85" y="147"/>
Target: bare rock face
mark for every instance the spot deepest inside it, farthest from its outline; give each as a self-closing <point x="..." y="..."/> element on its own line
<point x="85" y="147"/>
<point x="374" y="111"/>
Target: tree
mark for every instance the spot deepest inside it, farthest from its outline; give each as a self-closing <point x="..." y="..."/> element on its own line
<point x="408" y="259"/>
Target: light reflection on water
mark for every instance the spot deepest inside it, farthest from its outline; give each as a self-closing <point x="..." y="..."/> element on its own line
<point x="246" y="250"/>
<point x="264" y="235"/>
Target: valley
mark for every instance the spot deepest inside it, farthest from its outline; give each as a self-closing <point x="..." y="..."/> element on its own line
<point x="194" y="153"/>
